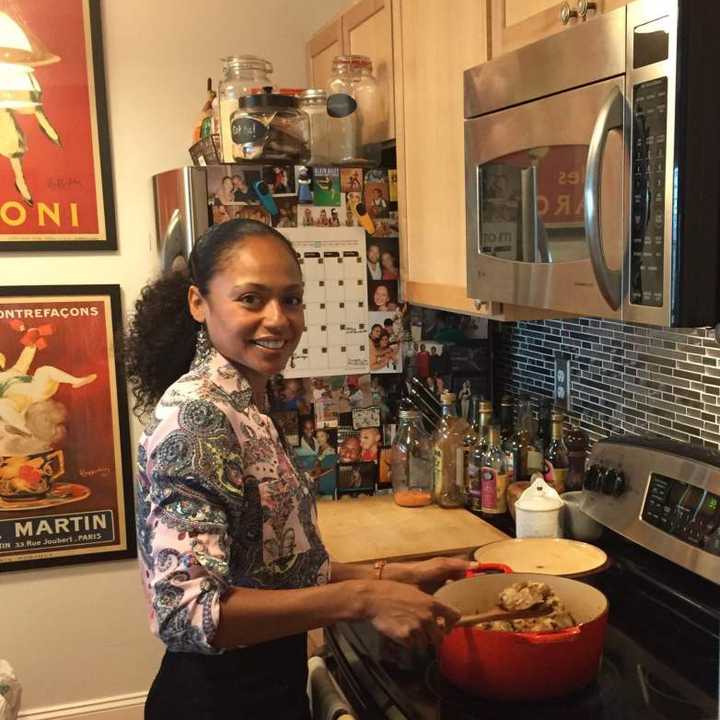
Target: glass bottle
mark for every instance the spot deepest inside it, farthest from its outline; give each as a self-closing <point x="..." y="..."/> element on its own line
<point x="471" y="435"/>
<point x="544" y="431"/>
<point x="494" y="476"/>
<point x="314" y="103"/>
<point x="352" y="75"/>
<point x="506" y="433"/>
<point x="556" y="457"/>
<point x="448" y="455"/>
<point x="475" y="456"/>
<point x="577" y="442"/>
<point x="242" y="75"/>
<point x="411" y="471"/>
<point x="517" y="446"/>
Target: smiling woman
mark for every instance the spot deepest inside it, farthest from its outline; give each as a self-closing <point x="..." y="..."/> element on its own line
<point x="232" y="564"/>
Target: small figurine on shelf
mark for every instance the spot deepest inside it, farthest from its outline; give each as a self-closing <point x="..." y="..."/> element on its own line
<point x="206" y="125"/>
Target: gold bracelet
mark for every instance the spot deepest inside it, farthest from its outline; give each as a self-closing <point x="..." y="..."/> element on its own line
<point x="379" y="565"/>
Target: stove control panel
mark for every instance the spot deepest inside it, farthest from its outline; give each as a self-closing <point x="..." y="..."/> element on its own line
<point x="660" y="494"/>
<point x="685" y="511"/>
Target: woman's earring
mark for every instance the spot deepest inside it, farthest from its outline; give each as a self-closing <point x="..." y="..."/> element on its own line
<point x="203" y="348"/>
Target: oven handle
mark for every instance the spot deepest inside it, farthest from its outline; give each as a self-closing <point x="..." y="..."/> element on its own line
<point x="611" y="116"/>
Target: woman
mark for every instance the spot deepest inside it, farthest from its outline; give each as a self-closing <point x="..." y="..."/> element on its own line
<point x="382" y="301"/>
<point x="389" y="269"/>
<point x="226" y="192"/>
<point x="232" y="564"/>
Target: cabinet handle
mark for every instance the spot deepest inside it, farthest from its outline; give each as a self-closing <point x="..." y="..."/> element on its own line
<point x="566" y="13"/>
<point x="584" y="7"/>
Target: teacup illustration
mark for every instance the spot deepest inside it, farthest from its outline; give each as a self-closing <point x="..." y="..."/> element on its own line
<point x="25" y="477"/>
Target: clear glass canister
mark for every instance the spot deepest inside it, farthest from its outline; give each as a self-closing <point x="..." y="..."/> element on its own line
<point x="270" y="127"/>
<point x="242" y="75"/>
<point x="314" y="103"/>
<point x="411" y="462"/>
<point x="352" y="75"/>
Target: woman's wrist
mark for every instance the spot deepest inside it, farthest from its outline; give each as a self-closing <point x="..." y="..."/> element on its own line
<point x="399" y="572"/>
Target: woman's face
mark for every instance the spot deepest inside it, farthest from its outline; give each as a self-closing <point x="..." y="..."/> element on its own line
<point x="253" y="309"/>
<point x="381" y="296"/>
<point x="227" y="184"/>
<point x="388" y="261"/>
<point x="308" y="428"/>
<point x="322" y="438"/>
<point x="375" y="332"/>
<point x="384" y="341"/>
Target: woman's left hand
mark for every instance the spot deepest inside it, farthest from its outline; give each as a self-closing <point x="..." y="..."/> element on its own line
<point x="431" y="574"/>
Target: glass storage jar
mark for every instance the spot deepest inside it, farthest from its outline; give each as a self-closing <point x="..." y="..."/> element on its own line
<point x="411" y="462"/>
<point x="314" y="103"/>
<point x="242" y="75"/>
<point x="352" y="75"/>
<point x="270" y="127"/>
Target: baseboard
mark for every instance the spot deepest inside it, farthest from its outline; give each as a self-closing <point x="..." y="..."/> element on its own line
<point x="120" y="707"/>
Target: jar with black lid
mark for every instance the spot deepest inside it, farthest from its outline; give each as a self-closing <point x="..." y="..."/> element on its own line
<point x="270" y="127"/>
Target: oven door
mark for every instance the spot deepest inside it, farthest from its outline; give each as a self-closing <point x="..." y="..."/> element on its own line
<point x="545" y="202"/>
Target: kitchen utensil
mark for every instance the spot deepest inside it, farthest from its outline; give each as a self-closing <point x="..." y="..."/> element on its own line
<point x="523" y="665"/>
<point x="548" y="556"/>
<point x="576" y="523"/>
<point x="498" y="613"/>
<point x="537" y="510"/>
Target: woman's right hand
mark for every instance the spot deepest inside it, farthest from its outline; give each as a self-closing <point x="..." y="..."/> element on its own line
<point x="407" y="615"/>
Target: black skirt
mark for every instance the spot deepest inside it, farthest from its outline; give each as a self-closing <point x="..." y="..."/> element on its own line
<point x="255" y="683"/>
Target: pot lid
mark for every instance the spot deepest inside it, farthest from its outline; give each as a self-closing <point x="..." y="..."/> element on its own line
<point x="539" y="497"/>
<point x="548" y="556"/>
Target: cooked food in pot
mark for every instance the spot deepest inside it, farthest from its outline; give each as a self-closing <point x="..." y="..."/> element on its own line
<point x="526" y="595"/>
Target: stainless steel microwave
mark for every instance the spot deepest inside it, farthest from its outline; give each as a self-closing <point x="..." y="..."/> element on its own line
<point x="592" y="162"/>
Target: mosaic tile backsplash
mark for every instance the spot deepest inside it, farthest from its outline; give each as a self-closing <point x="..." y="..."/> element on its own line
<point x="624" y="378"/>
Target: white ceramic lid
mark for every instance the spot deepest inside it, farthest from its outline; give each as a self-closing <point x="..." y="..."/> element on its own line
<point x="539" y="497"/>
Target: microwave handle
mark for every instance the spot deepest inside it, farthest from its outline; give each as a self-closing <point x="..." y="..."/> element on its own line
<point x="611" y="116"/>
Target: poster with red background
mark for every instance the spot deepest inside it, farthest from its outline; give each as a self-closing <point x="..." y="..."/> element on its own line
<point x="65" y="477"/>
<point x="60" y="197"/>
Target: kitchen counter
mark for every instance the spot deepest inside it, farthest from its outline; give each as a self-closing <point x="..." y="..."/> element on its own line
<point x="362" y="529"/>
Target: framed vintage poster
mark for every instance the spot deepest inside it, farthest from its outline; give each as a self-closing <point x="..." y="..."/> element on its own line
<point x="55" y="175"/>
<point x="65" y="471"/>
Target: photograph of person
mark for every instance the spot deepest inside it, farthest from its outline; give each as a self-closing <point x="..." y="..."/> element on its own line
<point x="374" y="268"/>
<point x="287" y="212"/>
<point x="388" y="263"/>
<point x="280" y="180"/>
<point x="251" y="212"/>
<point x="359" y="477"/>
<point x="378" y="203"/>
<point x="308" y="444"/>
<point x="334" y="218"/>
<point x="351" y="201"/>
<point x="307" y="217"/>
<point x="225" y="192"/>
<point x="325" y="444"/>
<point x="369" y="443"/>
<point x="384" y="354"/>
<point x="260" y="576"/>
<point x="242" y="192"/>
<point x="349" y="449"/>
<point x="387" y="227"/>
<point x="219" y="212"/>
<point x="351" y="180"/>
<point x="303" y="182"/>
<point x="363" y="396"/>
<point x="382" y="295"/>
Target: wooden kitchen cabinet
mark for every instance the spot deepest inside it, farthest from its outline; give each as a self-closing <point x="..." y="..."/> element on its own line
<point x="364" y="28"/>
<point x="518" y="22"/>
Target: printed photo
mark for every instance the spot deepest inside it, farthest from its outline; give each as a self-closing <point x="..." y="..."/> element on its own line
<point x="349" y="448"/>
<point x="351" y="180"/>
<point x="376" y="175"/>
<point x="366" y="417"/>
<point x="392" y="182"/>
<point x="385" y="342"/>
<point x="308" y="443"/>
<point x="351" y="202"/>
<point x="326" y="186"/>
<point x="377" y="199"/>
<point x="280" y="179"/>
<point x="388" y="431"/>
<point x="249" y="212"/>
<point x="429" y="360"/>
<point x="383" y="258"/>
<point x="384" y="469"/>
<point x="287" y="212"/>
<point x="369" y="444"/>
<point x="326" y="411"/>
<point x="387" y="227"/>
<point x="321" y="217"/>
<point x="383" y="295"/>
<point x="303" y="183"/>
<point x="288" y="394"/>
<point x="358" y="477"/>
<point x="231" y="184"/>
<point x="289" y="424"/>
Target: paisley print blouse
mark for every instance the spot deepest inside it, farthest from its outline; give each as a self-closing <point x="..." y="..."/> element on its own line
<point x="218" y="504"/>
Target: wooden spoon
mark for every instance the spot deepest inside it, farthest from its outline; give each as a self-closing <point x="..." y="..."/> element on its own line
<point x="498" y="613"/>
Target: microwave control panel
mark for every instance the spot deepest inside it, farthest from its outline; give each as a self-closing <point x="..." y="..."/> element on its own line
<point x="685" y="511"/>
<point x="647" y="220"/>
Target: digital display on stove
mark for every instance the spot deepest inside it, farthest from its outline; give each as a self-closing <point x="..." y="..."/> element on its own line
<point x="686" y="511"/>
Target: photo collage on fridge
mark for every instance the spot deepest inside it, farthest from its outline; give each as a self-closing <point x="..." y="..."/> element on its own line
<point x="339" y="427"/>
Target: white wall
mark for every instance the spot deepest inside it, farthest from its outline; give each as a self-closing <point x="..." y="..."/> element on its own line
<point x="78" y="635"/>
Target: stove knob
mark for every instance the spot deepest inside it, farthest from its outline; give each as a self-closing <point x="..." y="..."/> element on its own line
<point x="610" y="479"/>
<point x="592" y="477"/>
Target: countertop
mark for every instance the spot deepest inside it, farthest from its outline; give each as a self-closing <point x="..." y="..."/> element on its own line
<point x="362" y="529"/>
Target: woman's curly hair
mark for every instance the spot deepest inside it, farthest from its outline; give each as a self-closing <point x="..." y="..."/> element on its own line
<point x="160" y="343"/>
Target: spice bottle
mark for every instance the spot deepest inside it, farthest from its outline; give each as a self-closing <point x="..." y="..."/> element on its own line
<point x="411" y="462"/>
<point x="448" y="456"/>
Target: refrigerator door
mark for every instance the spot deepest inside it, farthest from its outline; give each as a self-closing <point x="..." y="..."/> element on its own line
<point x="181" y="214"/>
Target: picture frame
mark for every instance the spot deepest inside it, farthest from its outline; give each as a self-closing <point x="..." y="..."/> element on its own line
<point x="63" y="500"/>
<point x="56" y="187"/>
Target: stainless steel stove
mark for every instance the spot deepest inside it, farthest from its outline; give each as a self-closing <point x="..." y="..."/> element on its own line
<point x="659" y="503"/>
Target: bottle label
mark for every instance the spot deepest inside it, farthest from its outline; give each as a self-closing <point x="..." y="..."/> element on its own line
<point x="494" y="486"/>
<point x="554" y="477"/>
<point x="248" y="130"/>
<point x="510" y="462"/>
<point x="340" y="105"/>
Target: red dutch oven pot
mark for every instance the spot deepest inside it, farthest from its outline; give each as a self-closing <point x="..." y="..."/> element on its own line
<point x="522" y="665"/>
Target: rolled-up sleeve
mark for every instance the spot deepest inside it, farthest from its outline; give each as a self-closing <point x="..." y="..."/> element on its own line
<point x="191" y="476"/>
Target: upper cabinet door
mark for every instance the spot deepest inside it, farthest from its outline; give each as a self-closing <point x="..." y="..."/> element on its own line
<point x="324" y="45"/>
<point x="367" y="30"/>
<point x="520" y="22"/>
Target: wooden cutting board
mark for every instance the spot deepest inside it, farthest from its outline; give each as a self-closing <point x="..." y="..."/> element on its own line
<point x="549" y="556"/>
<point x="373" y="528"/>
